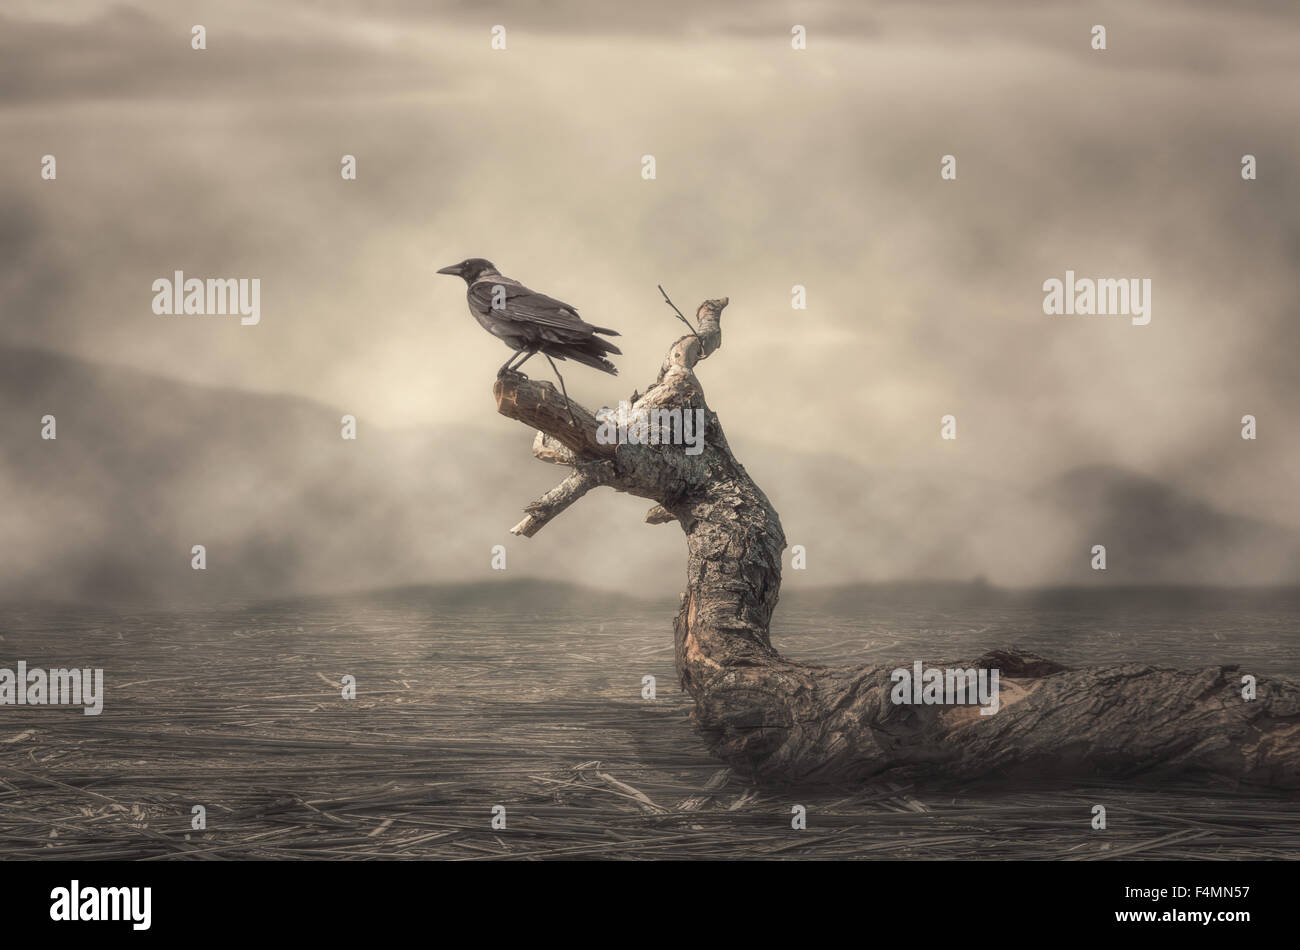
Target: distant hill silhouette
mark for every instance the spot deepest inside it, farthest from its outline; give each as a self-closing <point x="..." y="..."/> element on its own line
<point x="516" y="594"/>
<point x="1153" y="534"/>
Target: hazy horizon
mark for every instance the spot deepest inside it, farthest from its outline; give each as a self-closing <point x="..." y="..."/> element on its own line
<point x="286" y="508"/>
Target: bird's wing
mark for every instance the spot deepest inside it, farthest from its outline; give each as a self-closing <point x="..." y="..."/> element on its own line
<point x="527" y="306"/>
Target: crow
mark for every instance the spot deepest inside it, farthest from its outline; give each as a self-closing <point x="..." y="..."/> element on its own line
<point x="531" y="323"/>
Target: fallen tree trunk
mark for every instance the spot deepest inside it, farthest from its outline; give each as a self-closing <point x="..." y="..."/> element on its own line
<point x="784" y="721"/>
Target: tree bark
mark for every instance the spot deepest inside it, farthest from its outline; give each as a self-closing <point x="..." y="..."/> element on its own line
<point x="780" y="720"/>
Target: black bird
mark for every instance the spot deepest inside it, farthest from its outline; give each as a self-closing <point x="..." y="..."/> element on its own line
<point x="531" y="323"/>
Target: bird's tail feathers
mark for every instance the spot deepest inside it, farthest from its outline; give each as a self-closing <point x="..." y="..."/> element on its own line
<point x="593" y="360"/>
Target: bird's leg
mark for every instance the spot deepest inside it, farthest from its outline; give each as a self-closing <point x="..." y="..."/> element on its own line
<point x="572" y="417"/>
<point x="505" y="367"/>
<point x="527" y="354"/>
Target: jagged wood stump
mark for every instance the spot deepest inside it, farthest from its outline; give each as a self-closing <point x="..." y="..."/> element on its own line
<point x="784" y="721"/>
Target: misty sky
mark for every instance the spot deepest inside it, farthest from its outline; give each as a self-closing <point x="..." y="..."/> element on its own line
<point x="775" y="168"/>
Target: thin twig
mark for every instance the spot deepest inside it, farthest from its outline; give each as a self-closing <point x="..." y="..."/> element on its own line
<point x="681" y="316"/>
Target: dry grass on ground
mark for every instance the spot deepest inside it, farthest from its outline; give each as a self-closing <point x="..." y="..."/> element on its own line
<point x="242" y="714"/>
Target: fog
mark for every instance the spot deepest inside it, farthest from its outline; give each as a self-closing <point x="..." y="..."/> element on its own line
<point x="774" y="168"/>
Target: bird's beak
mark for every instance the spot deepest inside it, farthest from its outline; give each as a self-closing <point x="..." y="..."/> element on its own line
<point x="454" y="270"/>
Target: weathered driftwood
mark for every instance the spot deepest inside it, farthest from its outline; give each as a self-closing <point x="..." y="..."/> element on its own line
<point x="781" y="720"/>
